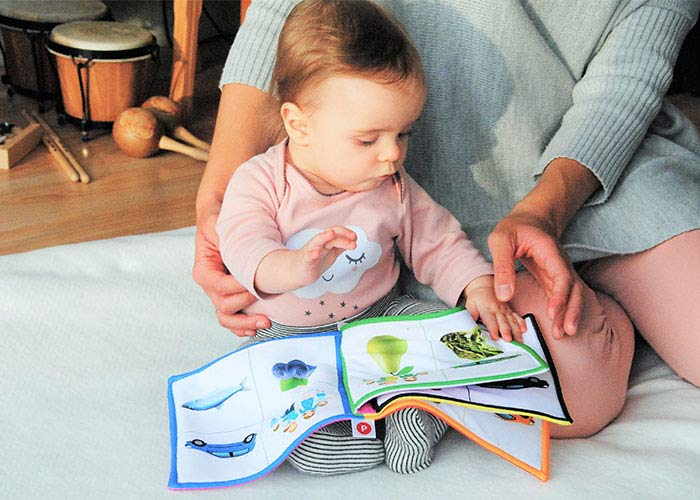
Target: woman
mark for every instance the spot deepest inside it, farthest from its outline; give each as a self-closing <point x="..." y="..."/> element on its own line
<point x="545" y="124"/>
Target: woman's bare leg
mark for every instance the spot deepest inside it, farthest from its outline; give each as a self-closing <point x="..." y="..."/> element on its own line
<point x="593" y="366"/>
<point x="660" y="290"/>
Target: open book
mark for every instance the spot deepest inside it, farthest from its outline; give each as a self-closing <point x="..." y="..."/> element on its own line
<point x="239" y="417"/>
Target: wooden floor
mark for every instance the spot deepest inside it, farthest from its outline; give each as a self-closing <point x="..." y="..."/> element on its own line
<point x="39" y="207"/>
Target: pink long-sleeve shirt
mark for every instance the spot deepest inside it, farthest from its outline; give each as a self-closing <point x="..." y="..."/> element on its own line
<point x="269" y="205"/>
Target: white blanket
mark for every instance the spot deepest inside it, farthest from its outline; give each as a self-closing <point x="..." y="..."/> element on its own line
<point x="90" y="333"/>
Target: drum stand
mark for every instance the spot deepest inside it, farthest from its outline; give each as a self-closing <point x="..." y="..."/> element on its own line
<point x="85" y="123"/>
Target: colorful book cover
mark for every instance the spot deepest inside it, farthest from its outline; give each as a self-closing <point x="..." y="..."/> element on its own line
<point x="238" y="417"/>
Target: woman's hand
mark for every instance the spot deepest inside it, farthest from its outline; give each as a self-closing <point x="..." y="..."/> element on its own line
<point x="523" y="236"/>
<point x="227" y="295"/>
<point x="531" y="233"/>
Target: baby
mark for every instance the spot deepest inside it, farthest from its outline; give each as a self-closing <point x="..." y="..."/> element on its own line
<point x="312" y="227"/>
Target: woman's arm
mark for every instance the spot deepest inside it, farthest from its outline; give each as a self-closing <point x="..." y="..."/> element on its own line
<point x="612" y="106"/>
<point x="531" y="234"/>
<point x="622" y="89"/>
<point x="242" y="130"/>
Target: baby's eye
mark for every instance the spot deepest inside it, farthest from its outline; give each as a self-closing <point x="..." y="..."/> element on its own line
<point x="405" y="135"/>
<point x="366" y="142"/>
<point x="357" y="261"/>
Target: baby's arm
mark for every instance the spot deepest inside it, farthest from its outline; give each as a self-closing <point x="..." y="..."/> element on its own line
<point x="498" y="317"/>
<point x="285" y="270"/>
<point x="446" y="260"/>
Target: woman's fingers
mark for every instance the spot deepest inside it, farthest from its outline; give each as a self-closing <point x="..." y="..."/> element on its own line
<point x="561" y="285"/>
<point x="241" y="324"/>
<point x="503" y="250"/>
<point x="573" y="309"/>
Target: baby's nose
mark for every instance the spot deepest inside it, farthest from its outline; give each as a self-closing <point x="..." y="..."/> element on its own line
<point x="392" y="152"/>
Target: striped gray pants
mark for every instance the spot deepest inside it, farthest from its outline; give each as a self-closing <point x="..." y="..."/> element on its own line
<point x="409" y="435"/>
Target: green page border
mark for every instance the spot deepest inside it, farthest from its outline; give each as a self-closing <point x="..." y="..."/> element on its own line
<point x="354" y="405"/>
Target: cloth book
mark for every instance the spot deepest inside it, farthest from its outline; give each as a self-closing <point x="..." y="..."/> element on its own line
<point x="238" y="417"/>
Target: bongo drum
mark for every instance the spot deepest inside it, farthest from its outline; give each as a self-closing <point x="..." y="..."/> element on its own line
<point x="25" y="25"/>
<point x="103" y="68"/>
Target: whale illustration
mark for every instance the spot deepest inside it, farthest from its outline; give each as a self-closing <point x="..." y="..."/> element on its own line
<point x="217" y="398"/>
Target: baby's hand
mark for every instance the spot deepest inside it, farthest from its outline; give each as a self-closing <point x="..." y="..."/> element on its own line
<point x="498" y="317"/>
<point x="320" y="252"/>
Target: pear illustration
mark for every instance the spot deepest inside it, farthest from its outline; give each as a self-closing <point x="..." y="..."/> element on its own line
<point x="387" y="350"/>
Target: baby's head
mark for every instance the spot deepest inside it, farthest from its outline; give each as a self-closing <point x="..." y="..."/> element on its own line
<point x="350" y="85"/>
<point x="325" y="38"/>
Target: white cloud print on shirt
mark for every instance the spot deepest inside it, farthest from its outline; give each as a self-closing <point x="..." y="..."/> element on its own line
<point x="346" y="271"/>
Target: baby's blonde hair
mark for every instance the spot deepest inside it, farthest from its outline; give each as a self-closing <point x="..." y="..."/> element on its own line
<point x="324" y="38"/>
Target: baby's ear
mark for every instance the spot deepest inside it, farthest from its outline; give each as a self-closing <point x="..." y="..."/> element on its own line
<point x="295" y="123"/>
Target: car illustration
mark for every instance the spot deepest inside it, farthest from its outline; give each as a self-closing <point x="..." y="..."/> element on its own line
<point x="512" y="417"/>
<point x="225" y="450"/>
<point x="306" y="408"/>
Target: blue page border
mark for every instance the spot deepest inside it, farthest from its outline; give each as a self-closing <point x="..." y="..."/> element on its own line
<point x="173" y="482"/>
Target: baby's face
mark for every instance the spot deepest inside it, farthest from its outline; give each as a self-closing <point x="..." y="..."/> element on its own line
<point x="358" y="131"/>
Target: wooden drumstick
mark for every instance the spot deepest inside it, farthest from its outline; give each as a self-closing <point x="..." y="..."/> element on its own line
<point x="56" y="154"/>
<point x="61" y="160"/>
<point x="84" y="177"/>
<point x="138" y="133"/>
<point x="169" y="113"/>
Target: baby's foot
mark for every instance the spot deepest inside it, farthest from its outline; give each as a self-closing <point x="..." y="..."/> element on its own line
<point x="411" y="436"/>
<point x="333" y="450"/>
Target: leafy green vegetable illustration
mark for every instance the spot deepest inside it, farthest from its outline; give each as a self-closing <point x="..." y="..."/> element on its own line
<point x="470" y="345"/>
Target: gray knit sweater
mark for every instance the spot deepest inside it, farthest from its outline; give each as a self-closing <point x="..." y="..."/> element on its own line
<point x="514" y="84"/>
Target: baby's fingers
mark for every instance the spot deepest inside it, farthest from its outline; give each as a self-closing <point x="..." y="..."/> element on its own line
<point x="327" y="240"/>
<point x="315" y="249"/>
<point x="505" y="327"/>
<point x="320" y="240"/>
<point x="343" y="232"/>
<point x="517" y="325"/>
<point x="490" y="321"/>
<point x="343" y="238"/>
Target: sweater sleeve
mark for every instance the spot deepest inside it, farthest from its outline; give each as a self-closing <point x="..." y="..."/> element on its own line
<point x="246" y="225"/>
<point x="435" y="247"/>
<point x="252" y="55"/>
<point x="621" y="90"/>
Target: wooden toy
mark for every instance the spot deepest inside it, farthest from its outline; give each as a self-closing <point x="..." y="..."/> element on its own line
<point x="169" y="113"/>
<point x="18" y="145"/>
<point x="138" y="133"/>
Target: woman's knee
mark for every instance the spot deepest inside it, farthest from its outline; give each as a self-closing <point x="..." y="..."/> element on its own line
<point x="593" y="366"/>
<point x="660" y="290"/>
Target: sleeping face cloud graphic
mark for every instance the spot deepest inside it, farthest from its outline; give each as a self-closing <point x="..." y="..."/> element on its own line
<point x="346" y="271"/>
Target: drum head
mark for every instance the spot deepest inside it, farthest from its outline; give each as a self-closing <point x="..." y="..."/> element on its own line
<point x="100" y="36"/>
<point x="50" y="11"/>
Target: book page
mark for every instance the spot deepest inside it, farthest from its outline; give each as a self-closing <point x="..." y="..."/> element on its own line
<point x="435" y="350"/>
<point x="535" y="395"/>
<point x="521" y="440"/>
<point x="238" y="417"/>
